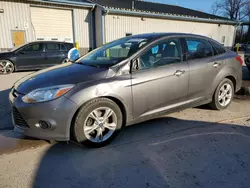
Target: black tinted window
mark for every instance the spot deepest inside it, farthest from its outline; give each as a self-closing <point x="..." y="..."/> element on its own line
<point x="69" y="46"/>
<point x="198" y="48"/>
<point x="167" y="52"/>
<point x="218" y="49"/>
<point x="52" y="47"/>
<point x="63" y="48"/>
<point x="33" y="48"/>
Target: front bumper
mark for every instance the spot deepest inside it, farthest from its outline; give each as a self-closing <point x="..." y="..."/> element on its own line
<point x="58" y="113"/>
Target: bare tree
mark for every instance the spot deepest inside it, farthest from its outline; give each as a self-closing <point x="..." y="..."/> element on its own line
<point x="233" y="9"/>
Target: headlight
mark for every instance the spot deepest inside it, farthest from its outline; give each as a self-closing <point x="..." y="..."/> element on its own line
<point x="46" y="94"/>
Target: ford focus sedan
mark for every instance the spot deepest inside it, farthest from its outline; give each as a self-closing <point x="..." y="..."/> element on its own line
<point x="124" y="82"/>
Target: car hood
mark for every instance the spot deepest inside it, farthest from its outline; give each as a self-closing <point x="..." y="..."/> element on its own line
<point x="68" y="73"/>
<point x="4" y="54"/>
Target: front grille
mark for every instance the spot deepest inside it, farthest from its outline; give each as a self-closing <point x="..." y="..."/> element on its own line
<point x="18" y="119"/>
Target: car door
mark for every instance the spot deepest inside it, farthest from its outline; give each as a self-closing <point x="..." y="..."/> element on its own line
<point x="31" y="56"/>
<point x="159" y="78"/>
<point x="203" y="67"/>
<point x="54" y="54"/>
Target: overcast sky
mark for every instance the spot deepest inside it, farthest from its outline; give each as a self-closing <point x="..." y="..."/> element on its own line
<point x="203" y="5"/>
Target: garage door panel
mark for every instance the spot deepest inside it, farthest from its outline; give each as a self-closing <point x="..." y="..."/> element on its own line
<point x="50" y="22"/>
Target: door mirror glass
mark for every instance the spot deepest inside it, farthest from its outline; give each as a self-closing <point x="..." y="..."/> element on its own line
<point x="73" y="54"/>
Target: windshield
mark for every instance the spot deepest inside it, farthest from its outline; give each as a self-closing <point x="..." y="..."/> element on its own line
<point x="17" y="47"/>
<point x="114" y="52"/>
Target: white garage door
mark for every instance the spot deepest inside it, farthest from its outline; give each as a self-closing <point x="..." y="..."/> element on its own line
<point x="52" y="24"/>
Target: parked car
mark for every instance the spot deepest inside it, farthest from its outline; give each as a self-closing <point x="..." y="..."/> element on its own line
<point x="34" y="56"/>
<point x="124" y="82"/>
<point x="247" y="59"/>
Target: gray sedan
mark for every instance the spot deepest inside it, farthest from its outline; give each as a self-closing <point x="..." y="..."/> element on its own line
<point x="124" y="82"/>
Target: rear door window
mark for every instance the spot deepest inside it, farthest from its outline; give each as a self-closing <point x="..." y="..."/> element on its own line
<point x="218" y="49"/>
<point x="63" y="48"/>
<point x="52" y="47"/>
<point x="198" y="48"/>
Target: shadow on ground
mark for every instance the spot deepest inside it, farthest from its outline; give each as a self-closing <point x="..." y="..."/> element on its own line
<point x="165" y="152"/>
<point x="5" y="111"/>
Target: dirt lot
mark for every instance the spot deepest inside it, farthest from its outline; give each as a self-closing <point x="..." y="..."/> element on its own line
<point x="193" y="148"/>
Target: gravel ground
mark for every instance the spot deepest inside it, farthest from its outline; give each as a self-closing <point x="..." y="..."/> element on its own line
<point x="166" y="152"/>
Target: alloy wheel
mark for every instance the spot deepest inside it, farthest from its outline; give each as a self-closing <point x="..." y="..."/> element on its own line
<point x="100" y="124"/>
<point x="225" y="94"/>
<point x="6" y="67"/>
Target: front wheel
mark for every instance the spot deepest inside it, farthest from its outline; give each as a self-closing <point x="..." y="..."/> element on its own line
<point x="98" y="123"/>
<point x="6" y="67"/>
<point x="223" y="95"/>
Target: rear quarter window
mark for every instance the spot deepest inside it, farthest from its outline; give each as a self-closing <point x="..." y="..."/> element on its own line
<point x="218" y="49"/>
<point x="69" y="46"/>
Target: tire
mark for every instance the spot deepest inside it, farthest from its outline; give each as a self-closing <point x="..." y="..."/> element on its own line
<point x="65" y="61"/>
<point x="222" y="98"/>
<point x="6" y="67"/>
<point x="91" y="121"/>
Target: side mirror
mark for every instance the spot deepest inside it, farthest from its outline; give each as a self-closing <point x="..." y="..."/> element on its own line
<point x="73" y="54"/>
<point x="125" y="69"/>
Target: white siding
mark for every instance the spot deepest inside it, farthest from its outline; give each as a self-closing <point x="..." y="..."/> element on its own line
<point x="83" y="29"/>
<point x="15" y="15"/>
<point x="18" y="12"/>
<point x="116" y="26"/>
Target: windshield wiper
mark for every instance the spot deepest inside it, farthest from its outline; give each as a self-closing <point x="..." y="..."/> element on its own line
<point x="91" y="65"/>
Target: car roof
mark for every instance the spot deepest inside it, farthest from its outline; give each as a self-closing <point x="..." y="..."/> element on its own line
<point x="44" y="41"/>
<point x="161" y="35"/>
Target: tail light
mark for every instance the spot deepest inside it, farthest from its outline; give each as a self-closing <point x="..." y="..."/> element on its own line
<point x="238" y="58"/>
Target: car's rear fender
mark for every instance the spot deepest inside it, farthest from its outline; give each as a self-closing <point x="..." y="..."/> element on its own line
<point x="226" y="72"/>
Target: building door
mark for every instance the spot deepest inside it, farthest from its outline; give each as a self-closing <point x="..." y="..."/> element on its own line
<point x="52" y="24"/>
<point x="18" y="38"/>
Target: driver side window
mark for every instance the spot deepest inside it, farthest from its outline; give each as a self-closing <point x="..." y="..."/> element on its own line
<point x="33" y="48"/>
<point x="163" y="53"/>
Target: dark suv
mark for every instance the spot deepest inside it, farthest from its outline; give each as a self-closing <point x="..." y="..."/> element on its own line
<point x="33" y="56"/>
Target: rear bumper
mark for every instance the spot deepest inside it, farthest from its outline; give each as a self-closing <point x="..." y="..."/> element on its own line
<point x="57" y="113"/>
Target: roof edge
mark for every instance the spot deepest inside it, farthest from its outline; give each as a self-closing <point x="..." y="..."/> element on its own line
<point x="66" y="2"/>
<point x="171" y="16"/>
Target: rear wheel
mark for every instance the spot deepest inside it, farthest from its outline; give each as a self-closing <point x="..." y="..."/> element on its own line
<point x="223" y="95"/>
<point x="98" y="123"/>
<point x="6" y="67"/>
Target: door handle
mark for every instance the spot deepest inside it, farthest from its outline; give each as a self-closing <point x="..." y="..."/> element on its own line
<point x="179" y="73"/>
<point x="215" y="65"/>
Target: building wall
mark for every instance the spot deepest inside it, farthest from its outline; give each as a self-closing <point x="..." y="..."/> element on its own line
<point x="116" y="26"/>
<point x="17" y="15"/>
<point x="83" y="29"/>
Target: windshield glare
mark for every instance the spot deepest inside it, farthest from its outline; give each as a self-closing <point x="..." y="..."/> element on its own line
<point x="114" y="52"/>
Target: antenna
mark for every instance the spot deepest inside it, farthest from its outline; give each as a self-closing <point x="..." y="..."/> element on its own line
<point x="192" y="31"/>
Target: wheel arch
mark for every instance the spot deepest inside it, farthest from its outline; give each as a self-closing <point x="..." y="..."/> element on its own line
<point x="229" y="73"/>
<point x="114" y="99"/>
<point x="15" y="67"/>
